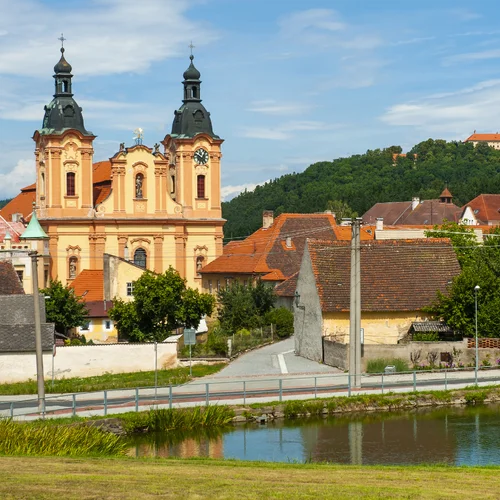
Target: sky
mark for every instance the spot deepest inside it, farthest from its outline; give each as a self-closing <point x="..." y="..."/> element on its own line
<point x="287" y="82"/>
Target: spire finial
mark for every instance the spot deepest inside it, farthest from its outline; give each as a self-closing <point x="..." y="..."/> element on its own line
<point x="191" y="47"/>
<point x="62" y="39"/>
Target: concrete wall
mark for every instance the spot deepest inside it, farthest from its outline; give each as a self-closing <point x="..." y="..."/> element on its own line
<point x="379" y="327"/>
<point x="308" y="322"/>
<point x="86" y="361"/>
<point x="337" y="354"/>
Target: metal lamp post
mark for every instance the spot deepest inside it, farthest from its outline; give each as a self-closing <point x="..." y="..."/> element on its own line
<point x="476" y="288"/>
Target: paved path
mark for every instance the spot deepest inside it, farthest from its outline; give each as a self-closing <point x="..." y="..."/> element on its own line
<point x="276" y="359"/>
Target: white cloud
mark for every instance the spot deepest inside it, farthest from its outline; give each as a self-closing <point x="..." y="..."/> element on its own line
<point x="284" y="131"/>
<point x="229" y="192"/>
<point x="452" y="115"/>
<point x="272" y="107"/>
<point x="107" y="37"/>
<point x="22" y="175"/>
<point x="311" y="20"/>
<point x="412" y="41"/>
<point x="473" y="56"/>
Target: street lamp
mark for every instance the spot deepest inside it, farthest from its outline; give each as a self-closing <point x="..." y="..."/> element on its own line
<point x="476" y="288"/>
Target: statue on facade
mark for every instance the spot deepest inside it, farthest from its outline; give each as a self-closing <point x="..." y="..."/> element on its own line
<point x="157" y="149"/>
<point x="138" y="186"/>
<point x="72" y="269"/>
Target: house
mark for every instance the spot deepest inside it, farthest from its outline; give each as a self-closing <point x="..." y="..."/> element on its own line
<point x="482" y="210"/>
<point x="98" y="288"/>
<point x="493" y="140"/>
<point x="17" y="317"/>
<point x="398" y="279"/>
<point x="274" y="252"/>
<point x="414" y="213"/>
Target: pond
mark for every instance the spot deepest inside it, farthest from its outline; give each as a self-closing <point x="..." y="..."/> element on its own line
<point x="451" y="435"/>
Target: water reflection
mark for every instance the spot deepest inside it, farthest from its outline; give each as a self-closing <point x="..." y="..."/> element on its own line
<point x="461" y="436"/>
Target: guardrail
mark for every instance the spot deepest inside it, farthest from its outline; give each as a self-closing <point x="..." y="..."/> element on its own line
<point x="241" y="392"/>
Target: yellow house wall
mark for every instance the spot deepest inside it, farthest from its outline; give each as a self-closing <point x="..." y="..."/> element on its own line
<point x="97" y="331"/>
<point x="120" y="273"/>
<point x="379" y="328"/>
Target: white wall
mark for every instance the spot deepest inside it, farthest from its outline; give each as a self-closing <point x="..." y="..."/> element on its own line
<point x="86" y="361"/>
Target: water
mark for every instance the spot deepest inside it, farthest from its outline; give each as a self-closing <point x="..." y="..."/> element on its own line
<point x="455" y="436"/>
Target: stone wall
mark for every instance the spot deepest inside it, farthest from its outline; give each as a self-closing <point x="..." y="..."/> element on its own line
<point x="337" y="354"/>
<point x="87" y="361"/>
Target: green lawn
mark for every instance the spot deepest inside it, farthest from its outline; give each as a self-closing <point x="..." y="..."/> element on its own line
<point x="112" y="381"/>
<point x="123" y="479"/>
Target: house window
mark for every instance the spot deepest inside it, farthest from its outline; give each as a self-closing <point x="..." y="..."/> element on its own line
<point x="130" y="289"/>
<point x="200" y="183"/>
<point x="210" y="286"/>
<point x="20" y="276"/>
<point x="70" y="184"/>
<point x="73" y="261"/>
<point x="86" y="326"/>
<point x="218" y="285"/>
<point x="140" y="258"/>
<point x="139" y="182"/>
<point x="107" y="324"/>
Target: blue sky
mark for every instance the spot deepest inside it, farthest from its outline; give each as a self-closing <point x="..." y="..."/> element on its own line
<point x="287" y="82"/>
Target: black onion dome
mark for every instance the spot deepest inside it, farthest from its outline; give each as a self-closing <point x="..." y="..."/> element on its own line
<point x="191" y="73"/>
<point x="62" y="66"/>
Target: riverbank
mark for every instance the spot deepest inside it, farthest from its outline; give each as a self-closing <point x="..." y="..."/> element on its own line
<point x="122" y="478"/>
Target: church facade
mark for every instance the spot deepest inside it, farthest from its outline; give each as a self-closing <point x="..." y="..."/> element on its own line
<point x="156" y="206"/>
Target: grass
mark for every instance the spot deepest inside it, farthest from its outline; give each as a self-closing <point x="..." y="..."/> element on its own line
<point x="127" y="478"/>
<point x="77" y="440"/>
<point x="112" y="381"/>
<point x="378" y="365"/>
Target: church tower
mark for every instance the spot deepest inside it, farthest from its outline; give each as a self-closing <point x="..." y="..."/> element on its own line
<point x="63" y="152"/>
<point x="194" y="154"/>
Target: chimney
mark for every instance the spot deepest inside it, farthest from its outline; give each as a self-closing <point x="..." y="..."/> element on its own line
<point x="379" y="224"/>
<point x="414" y="203"/>
<point x="7" y="240"/>
<point x="267" y="219"/>
<point x="288" y="242"/>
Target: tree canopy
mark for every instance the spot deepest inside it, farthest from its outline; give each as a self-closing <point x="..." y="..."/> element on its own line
<point x="63" y="307"/>
<point x="162" y="303"/>
<point x="362" y="180"/>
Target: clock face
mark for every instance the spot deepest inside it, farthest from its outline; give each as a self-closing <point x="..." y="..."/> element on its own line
<point x="201" y="156"/>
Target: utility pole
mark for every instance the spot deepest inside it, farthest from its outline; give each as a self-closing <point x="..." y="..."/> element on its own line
<point x="38" y="333"/>
<point x="355" y="306"/>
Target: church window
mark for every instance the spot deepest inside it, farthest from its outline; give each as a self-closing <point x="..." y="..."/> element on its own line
<point x="172" y="185"/>
<point x="195" y="92"/>
<point x="198" y="117"/>
<point x="73" y="261"/>
<point x="200" y="184"/>
<point x="140" y="258"/>
<point x="70" y="184"/>
<point x="139" y="184"/>
<point x="65" y="85"/>
<point x="42" y="184"/>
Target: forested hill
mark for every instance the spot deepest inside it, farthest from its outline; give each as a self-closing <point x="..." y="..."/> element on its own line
<point x="363" y="180"/>
<point x="3" y="203"/>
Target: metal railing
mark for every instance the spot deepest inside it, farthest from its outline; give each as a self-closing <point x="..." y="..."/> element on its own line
<point x="241" y="392"/>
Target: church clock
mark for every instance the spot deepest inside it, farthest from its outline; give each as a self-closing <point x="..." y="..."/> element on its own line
<point x="201" y="156"/>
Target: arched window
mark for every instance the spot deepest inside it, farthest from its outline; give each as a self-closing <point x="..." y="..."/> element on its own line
<point x="139" y="182"/>
<point x="195" y="92"/>
<point x="199" y="264"/>
<point x="200" y="183"/>
<point x="72" y="271"/>
<point x="42" y="184"/>
<point x="140" y="258"/>
<point x="172" y="184"/>
<point x="70" y="184"/>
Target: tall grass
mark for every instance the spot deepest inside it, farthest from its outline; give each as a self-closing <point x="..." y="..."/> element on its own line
<point x="81" y="440"/>
<point x="187" y="419"/>
<point x="378" y="365"/>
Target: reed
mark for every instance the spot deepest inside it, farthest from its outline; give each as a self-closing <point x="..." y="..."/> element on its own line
<point x="79" y="440"/>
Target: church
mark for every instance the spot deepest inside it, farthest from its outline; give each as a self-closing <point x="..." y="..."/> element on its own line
<point x="154" y="207"/>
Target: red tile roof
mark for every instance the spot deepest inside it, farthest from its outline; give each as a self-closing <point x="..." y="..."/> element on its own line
<point x="396" y="275"/>
<point x="89" y="285"/>
<point x="263" y="253"/>
<point x="483" y="137"/>
<point x="486" y="208"/>
<point x="288" y="287"/>
<point x="98" y="308"/>
<point x="21" y="204"/>
<point x="9" y="282"/>
<point x="101" y="171"/>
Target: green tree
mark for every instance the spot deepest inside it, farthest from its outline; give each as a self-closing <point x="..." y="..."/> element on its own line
<point x="462" y="238"/>
<point x="162" y="303"/>
<point x="282" y="319"/>
<point x="63" y="307"/>
<point x="341" y="210"/>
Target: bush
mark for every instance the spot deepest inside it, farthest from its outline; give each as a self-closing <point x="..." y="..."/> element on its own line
<point x="282" y="318"/>
<point x="378" y="365"/>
